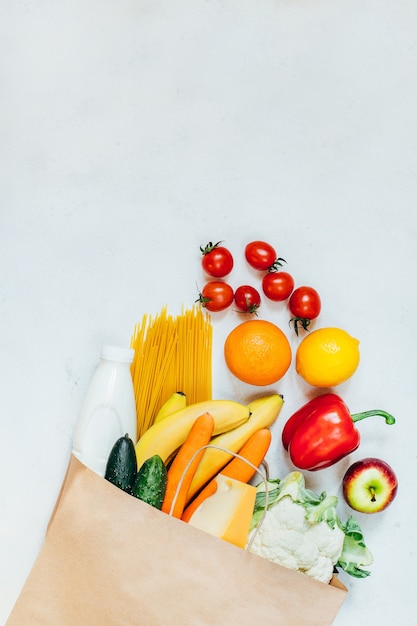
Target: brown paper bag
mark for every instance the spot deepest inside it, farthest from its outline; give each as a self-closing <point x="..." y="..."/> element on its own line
<point x="110" y="559"/>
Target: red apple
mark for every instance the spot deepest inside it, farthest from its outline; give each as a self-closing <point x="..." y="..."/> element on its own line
<point x="369" y="485"/>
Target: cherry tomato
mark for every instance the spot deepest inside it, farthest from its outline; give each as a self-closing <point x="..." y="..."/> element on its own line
<point x="304" y="305"/>
<point x="216" y="296"/>
<point x="217" y="260"/>
<point x="277" y="286"/>
<point x="262" y="256"/>
<point x="247" y="299"/>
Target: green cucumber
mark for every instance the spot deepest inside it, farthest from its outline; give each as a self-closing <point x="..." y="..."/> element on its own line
<point x="150" y="482"/>
<point x="121" y="466"/>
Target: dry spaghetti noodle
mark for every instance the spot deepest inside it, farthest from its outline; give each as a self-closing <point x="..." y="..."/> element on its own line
<point x="171" y="354"/>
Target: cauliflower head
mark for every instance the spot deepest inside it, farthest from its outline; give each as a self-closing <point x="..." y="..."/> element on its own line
<point x="294" y="527"/>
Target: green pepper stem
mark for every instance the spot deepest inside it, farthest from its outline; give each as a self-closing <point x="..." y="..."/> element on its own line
<point x="389" y="419"/>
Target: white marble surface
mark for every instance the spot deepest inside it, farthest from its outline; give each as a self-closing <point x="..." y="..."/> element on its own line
<point x="133" y="132"/>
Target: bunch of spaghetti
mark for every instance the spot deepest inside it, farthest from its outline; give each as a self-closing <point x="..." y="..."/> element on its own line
<point x="172" y="353"/>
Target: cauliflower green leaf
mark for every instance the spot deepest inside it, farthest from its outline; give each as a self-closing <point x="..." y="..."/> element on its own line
<point x="355" y="555"/>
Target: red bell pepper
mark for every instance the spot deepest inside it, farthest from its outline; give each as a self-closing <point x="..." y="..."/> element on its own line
<point x="323" y="431"/>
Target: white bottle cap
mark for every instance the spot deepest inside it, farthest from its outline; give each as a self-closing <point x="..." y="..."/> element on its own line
<point x="113" y="353"/>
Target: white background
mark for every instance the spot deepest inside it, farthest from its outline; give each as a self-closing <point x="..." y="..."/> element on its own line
<point x="132" y="132"/>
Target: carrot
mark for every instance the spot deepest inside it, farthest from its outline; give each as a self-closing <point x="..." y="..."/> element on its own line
<point x="199" y="435"/>
<point x="254" y="451"/>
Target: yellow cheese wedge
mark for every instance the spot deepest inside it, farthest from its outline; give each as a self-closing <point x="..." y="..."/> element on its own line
<point x="227" y="513"/>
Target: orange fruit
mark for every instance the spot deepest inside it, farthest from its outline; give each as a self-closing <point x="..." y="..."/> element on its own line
<point x="257" y="352"/>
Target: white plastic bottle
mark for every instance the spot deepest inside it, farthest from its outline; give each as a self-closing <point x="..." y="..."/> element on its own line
<point x="108" y="411"/>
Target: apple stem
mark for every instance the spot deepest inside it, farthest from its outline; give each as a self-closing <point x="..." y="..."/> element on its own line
<point x="372" y="490"/>
<point x="389" y="419"/>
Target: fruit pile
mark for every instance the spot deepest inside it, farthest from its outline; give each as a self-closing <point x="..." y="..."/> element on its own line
<point x="258" y="352"/>
<point x="195" y="461"/>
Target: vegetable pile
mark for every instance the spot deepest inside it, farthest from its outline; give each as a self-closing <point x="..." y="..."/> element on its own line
<point x="171" y="468"/>
<point x="196" y="461"/>
<point x="180" y="468"/>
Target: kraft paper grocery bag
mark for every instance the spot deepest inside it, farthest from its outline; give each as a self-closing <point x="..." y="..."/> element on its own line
<point x="110" y="559"/>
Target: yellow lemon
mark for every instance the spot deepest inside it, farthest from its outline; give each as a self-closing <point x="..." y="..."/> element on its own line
<point x="327" y="357"/>
<point x="257" y="352"/>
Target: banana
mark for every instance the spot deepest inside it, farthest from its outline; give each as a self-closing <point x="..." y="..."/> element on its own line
<point x="175" y="402"/>
<point x="264" y="411"/>
<point x="169" y="434"/>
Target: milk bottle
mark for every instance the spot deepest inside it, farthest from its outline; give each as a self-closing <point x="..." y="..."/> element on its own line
<point x="108" y="411"/>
